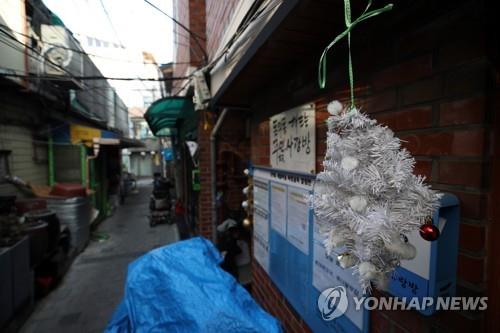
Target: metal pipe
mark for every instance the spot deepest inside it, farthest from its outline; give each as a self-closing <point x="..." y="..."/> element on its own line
<point x="83" y="164"/>
<point x="213" y="173"/>
<point x="50" y="153"/>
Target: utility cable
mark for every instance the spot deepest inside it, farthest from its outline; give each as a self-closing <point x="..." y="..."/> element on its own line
<point x="111" y="24"/>
<point x="195" y="36"/>
<point x="90" y="78"/>
<point x="88" y="53"/>
<point x="37" y="76"/>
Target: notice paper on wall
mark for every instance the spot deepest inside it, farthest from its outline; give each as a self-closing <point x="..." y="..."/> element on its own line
<point x="298" y="218"/>
<point x="261" y="222"/>
<point x="278" y="210"/>
<point x="327" y="273"/>
<point x="261" y="251"/>
<point x="261" y="194"/>
<point x="289" y="246"/>
<point x="293" y="139"/>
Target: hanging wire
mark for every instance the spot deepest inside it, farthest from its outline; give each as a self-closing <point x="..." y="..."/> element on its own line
<point x="111" y="24"/>
<point x="195" y="36"/>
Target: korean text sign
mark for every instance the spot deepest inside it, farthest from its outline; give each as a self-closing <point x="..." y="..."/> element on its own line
<point x="293" y="139"/>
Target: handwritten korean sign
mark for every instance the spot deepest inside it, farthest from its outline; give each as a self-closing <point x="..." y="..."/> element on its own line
<point x="293" y="139"/>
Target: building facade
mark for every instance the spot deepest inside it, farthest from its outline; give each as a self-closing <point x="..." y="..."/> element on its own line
<point x="427" y="71"/>
<point x="57" y="126"/>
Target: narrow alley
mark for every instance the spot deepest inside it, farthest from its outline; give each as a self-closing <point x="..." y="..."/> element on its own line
<point x="93" y="287"/>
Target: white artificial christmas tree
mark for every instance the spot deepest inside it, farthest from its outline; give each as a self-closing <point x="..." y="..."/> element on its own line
<point x="367" y="198"/>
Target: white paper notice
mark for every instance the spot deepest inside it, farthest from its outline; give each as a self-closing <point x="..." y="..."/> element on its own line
<point x="261" y="224"/>
<point x="298" y="218"/>
<point x="261" y="194"/>
<point x="261" y="251"/>
<point x="278" y="208"/>
<point x="328" y="274"/>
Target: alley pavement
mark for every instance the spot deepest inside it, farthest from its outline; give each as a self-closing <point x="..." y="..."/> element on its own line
<point x="89" y="293"/>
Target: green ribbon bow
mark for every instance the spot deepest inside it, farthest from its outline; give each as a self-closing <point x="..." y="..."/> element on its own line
<point x="350" y="25"/>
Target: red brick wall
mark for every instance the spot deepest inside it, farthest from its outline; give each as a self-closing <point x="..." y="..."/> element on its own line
<point x="204" y="225"/>
<point x="233" y="143"/>
<point x="197" y="24"/>
<point x="219" y="14"/>
<point x="268" y="295"/>
<point x="231" y="140"/>
<point x="191" y="13"/>
<point x="436" y="99"/>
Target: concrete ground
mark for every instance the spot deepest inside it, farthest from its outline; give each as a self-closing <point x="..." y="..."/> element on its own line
<point x="93" y="287"/>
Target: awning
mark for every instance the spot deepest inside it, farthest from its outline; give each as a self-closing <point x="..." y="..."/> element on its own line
<point x="121" y="142"/>
<point x="77" y="134"/>
<point x="131" y="143"/>
<point x="165" y="112"/>
<point x="227" y="68"/>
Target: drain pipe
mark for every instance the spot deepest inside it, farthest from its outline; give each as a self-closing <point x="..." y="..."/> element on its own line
<point x="213" y="173"/>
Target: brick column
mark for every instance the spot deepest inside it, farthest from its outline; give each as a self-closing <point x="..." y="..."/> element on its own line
<point x="205" y="198"/>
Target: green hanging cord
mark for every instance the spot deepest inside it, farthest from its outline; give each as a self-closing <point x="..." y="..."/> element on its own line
<point x="351" y="74"/>
<point x="349" y="25"/>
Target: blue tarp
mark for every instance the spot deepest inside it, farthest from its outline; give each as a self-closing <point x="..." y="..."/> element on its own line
<point x="181" y="288"/>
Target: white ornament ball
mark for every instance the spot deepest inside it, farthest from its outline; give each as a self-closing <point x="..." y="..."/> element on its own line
<point x="334" y="108"/>
<point x="382" y="282"/>
<point x="401" y="248"/>
<point x="349" y="163"/>
<point x="336" y="240"/>
<point x="346" y="260"/>
<point x="245" y="190"/>
<point x="244" y="204"/>
<point x="367" y="271"/>
<point x="358" y="203"/>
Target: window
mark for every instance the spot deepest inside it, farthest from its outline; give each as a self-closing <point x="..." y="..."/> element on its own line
<point x="40" y="154"/>
<point x="4" y="165"/>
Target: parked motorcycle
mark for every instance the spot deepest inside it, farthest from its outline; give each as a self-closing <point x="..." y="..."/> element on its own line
<point x="128" y="185"/>
<point x="160" y="203"/>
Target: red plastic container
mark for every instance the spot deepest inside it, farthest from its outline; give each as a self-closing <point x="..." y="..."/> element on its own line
<point x="28" y="205"/>
<point x="68" y="190"/>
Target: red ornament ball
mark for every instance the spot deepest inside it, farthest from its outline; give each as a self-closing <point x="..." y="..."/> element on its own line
<point x="429" y="232"/>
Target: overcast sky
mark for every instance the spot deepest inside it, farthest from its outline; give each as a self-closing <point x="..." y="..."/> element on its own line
<point x="133" y="23"/>
<point x="138" y="25"/>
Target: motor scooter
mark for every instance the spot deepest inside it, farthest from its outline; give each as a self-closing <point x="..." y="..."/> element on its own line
<point x="160" y="202"/>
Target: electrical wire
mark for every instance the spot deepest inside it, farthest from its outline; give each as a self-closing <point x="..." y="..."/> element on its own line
<point x="257" y="15"/>
<point x="182" y="88"/>
<point x="116" y="33"/>
<point x="88" y="78"/>
<point x="56" y="65"/>
<point x="48" y="16"/>
<point x="36" y="76"/>
<point x="111" y="24"/>
<point x="192" y="33"/>
<point x="260" y="13"/>
<point x="195" y="36"/>
<point x="90" y="54"/>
